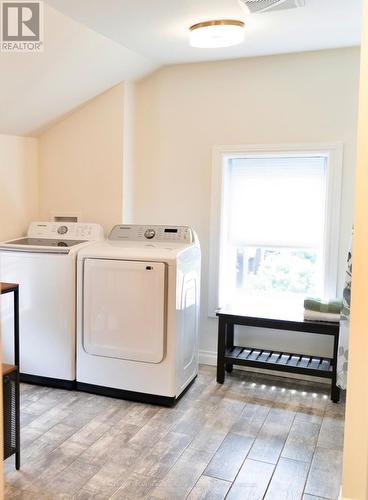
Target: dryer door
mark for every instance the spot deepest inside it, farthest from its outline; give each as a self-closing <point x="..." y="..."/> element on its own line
<point x="124" y="309"/>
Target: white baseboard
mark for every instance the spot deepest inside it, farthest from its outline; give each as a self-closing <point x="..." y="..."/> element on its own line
<point x="210" y="358"/>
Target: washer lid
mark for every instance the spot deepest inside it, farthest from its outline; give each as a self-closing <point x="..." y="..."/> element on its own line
<point x="41" y="245"/>
<point x="51" y="237"/>
<point x="46" y="242"/>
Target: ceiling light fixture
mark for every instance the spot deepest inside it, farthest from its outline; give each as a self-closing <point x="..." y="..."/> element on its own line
<point x="215" y="34"/>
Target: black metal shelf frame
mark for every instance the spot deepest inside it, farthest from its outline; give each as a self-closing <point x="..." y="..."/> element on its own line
<point x="11" y="382"/>
<point x="229" y="355"/>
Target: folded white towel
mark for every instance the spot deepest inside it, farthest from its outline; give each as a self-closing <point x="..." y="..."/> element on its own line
<point x="319" y="316"/>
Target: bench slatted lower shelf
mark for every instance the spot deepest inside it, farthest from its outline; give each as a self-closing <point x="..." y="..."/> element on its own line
<point x="321" y="367"/>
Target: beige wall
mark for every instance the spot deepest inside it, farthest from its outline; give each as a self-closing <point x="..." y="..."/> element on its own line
<point x="81" y="162"/>
<point x="355" y="475"/>
<point x="184" y="110"/>
<point x="19" y="184"/>
<point x="18" y="203"/>
<point x="128" y="165"/>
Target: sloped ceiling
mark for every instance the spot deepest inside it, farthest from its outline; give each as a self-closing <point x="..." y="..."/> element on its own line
<point x="91" y="45"/>
<point x="76" y="65"/>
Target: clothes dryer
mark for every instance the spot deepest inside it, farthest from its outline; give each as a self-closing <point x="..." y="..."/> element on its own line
<point x="137" y="314"/>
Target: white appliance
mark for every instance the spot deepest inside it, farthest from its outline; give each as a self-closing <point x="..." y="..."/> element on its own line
<point x="44" y="265"/>
<point x="137" y="317"/>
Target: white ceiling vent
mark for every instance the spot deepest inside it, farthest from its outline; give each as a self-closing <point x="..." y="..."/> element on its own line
<point x="256" y="6"/>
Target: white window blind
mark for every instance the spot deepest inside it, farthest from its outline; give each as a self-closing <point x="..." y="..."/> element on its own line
<point x="277" y="201"/>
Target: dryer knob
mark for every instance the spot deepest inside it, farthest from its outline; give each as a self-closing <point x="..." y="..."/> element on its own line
<point x="149" y="234"/>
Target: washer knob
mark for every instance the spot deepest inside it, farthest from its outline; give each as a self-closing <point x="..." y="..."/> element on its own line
<point x="62" y="229"/>
<point x="149" y="234"/>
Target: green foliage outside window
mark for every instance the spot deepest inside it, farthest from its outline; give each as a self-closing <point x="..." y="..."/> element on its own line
<point x="284" y="271"/>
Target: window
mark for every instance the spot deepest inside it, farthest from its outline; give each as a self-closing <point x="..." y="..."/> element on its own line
<point x="275" y="215"/>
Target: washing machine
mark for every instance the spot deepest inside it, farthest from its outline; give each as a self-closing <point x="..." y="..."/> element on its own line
<point x="137" y="314"/>
<point x="44" y="264"/>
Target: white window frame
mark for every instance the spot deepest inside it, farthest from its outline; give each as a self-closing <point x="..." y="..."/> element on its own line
<point x="220" y="155"/>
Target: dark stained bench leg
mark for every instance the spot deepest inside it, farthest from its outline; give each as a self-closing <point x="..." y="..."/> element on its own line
<point x="335" y="390"/>
<point x="229" y="344"/>
<point x="221" y="351"/>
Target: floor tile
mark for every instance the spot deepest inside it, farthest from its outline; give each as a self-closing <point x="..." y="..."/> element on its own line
<point x="163" y="455"/>
<point x="251" y="419"/>
<point x="229" y="458"/>
<point x="135" y="487"/>
<point x="182" y="477"/>
<point x="332" y="433"/>
<point x="107" y="479"/>
<point x="325" y="474"/>
<point x="73" y="478"/>
<point x="288" y="480"/>
<point x="301" y="441"/>
<point x="209" y="488"/>
<point x="252" y="481"/>
<point x="272" y="437"/>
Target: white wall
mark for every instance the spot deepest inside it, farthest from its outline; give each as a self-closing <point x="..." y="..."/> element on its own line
<point x="182" y="111"/>
<point x="19" y="184"/>
<point x="81" y="162"/>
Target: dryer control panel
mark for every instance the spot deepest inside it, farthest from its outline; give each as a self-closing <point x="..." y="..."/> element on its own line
<point x="132" y="232"/>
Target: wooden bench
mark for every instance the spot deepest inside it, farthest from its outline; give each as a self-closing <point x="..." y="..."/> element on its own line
<point x="229" y="355"/>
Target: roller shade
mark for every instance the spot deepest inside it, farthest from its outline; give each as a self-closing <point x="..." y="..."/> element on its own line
<point x="277" y="201"/>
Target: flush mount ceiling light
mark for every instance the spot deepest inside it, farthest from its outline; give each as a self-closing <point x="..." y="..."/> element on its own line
<point x="215" y="34"/>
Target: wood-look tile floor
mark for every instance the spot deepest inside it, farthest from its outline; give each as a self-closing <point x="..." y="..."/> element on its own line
<point x="254" y="437"/>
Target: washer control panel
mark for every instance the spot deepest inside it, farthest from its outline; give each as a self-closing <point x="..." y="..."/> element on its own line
<point x="178" y="234"/>
<point x="62" y="229"/>
<point x="66" y="230"/>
